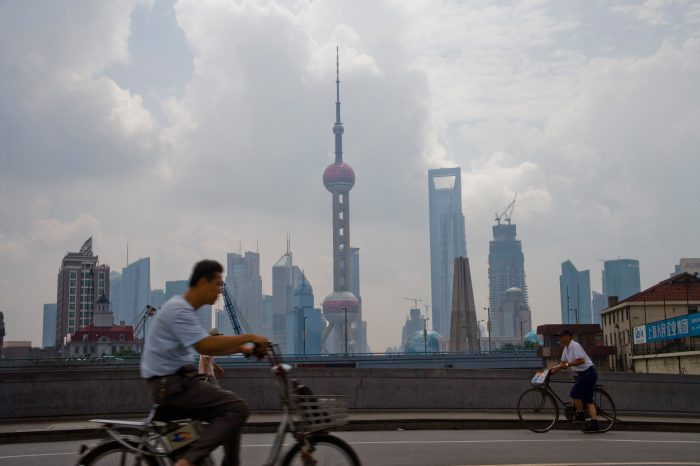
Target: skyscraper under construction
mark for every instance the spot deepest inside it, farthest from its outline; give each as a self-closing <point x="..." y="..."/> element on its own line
<point x="507" y="273"/>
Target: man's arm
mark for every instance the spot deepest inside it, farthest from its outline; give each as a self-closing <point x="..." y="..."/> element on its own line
<point x="227" y="344"/>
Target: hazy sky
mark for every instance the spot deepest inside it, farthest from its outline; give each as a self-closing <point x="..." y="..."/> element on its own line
<point x="187" y="128"/>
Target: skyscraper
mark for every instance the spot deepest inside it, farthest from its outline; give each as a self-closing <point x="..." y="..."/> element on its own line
<point x="341" y="308"/>
<point x="598" y="303"/>
<point x="135" y="292"/>
<point x="81" y="282"/>
<point x="621" y="278"/>
<point x="285" y="278"/>
<point x="245" y="286"/>
<point x="303" y="321"/>
<point x="575" y="295"/>
<point x="48" y="337"/>
<point x="447" y="240"/>
<point x="506" y="270"/>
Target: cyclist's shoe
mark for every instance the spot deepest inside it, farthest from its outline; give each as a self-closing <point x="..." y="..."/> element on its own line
<point x="592" y="427"/>
<point x="579" y="418"/>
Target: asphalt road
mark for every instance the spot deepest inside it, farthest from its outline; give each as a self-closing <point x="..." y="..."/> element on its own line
<point x="449" y="447"/>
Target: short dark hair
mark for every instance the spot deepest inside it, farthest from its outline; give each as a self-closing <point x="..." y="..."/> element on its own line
<point x="565" y="331"/>
<point x="206" y="269"/>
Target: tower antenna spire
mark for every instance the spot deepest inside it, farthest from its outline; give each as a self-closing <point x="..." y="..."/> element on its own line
<point x="338" y="126"/>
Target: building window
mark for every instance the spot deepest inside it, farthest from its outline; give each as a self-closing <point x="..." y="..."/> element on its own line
<point x="71" y="291"/>
<point x="72" y="306"/>
<point x="74" y="274"/>
<point x="122" y="337"/>
<point x="101" y="276"/>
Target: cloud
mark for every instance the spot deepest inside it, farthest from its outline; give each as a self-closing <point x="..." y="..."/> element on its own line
<point x="588" y="112"/>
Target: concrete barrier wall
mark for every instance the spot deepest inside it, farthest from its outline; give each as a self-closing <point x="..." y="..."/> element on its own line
<point x="29" y="394"/>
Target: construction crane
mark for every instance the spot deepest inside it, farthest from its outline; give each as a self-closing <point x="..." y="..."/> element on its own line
<point x="140" y="323"/>
<point x="507" y="213"/>
<point x="415" y="302"/>
<point x="235" y="315"/>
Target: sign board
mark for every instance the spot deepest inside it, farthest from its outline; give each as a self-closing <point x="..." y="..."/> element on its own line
<point x="669" y="329"/>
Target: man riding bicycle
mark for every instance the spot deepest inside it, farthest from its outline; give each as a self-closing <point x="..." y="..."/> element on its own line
<point x="575" y="358"/>
<point x="173" y="381"/>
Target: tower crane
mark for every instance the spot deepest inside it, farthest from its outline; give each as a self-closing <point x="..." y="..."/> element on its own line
<point x="507" y="213"/>
<point x="140" y="324"/>
<point x="235" y="315"/>
<point x="415" y="302"/>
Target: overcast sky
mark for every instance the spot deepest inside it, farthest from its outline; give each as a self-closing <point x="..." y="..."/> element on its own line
<point x="189" y="128"/>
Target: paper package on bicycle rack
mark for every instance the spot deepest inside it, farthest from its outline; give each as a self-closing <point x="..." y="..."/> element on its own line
<point x="315" y="413"/>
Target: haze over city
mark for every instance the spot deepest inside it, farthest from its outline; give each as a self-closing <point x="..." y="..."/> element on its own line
<point x="191" y="129"/>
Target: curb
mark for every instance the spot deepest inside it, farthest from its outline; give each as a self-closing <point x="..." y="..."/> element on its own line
<point x="58" y="435"/>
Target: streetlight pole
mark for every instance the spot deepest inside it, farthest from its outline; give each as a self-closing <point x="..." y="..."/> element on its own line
<point x="425" y="334"/>
<point x="304" y="330"/>
<point x="488" y="325"/>
<point x="522" y="340"/>
<point x="345" y="309"/>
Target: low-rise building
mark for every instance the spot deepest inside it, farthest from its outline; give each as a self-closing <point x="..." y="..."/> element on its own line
<point x="102" y="338"/>
<point x="658" y="329"/>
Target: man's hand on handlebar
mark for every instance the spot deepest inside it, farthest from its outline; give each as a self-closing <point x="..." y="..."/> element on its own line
<point x="255" y="347"/>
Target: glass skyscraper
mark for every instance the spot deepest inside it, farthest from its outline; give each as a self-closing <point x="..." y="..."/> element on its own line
<point x="621" y="278"/>
<point x="506" y="270"/>
<point x="447" y="240"/>
<point x="575" y="295"/>
<point x="135" y="291"/>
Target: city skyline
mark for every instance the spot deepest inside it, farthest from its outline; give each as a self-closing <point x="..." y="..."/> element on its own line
<point x="188" y="128"/>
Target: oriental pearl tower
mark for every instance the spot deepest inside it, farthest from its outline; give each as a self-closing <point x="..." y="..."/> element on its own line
<point x="341" y="308"/>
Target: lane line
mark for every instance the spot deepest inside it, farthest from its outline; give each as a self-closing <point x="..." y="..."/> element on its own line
<point x="36" y="454"/>
<point x="596" y="439"/>
<point x="592" y="464"/>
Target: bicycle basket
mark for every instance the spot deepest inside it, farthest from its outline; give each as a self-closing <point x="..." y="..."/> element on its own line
<point x="540" y="378"/>
<point x="320" y="412"/>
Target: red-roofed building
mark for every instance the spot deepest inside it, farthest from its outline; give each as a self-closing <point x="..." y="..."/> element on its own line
<point x="102" y="338"/>
<point x="658" y="329"/>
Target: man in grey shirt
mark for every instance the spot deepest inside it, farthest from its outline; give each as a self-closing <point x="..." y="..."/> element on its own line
<point x="173" y="380"/>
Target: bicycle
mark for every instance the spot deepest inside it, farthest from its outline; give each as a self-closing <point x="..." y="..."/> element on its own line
<point x="306" y="416"/>
<point x="538" y="410"/>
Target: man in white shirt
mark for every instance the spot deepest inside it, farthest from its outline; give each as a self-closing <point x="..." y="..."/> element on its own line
<point x="174" y="381"/>
<point x="575" y="358"/>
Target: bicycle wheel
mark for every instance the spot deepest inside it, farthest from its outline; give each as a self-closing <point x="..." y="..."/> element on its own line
<point x="327" y="450"/>
<point x="605" y="408"/>
<point x="115" y="454"/>
<point x="537" y="410"/>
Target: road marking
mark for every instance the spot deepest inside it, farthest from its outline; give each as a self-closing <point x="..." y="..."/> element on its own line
<point x="596" y="439"/>
<point x="36" y="454"/>
<point x="590" y="464"/>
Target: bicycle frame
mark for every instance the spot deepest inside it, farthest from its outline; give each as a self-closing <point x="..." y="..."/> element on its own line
<point x="150" y="441"/>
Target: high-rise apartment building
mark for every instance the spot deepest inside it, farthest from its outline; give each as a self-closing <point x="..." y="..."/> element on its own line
<point x="244" y="283"/>
<point x="621" y="278"/>
<point x="506" y="270"/>
<point x="135" y="291"/>
<point x="447" y="240"/>
<point x="48" y="337"/>
<point x="575" y="294"/>
<point x="81" y="282"/>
